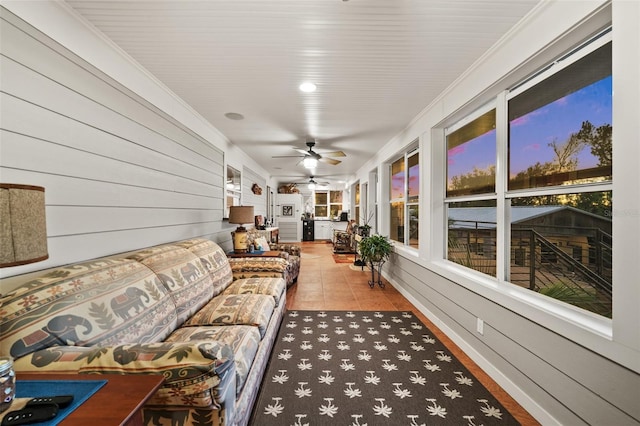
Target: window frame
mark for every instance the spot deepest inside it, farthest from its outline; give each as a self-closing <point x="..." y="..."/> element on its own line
<point x="234" y="193"/>
<point x="598" y="324"/>
<point x="329" y="203"/>
<point x="316" y="204"/>
<point x="412" y="150"/>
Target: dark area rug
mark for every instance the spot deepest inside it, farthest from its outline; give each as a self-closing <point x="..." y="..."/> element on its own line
<point x="368" y="368"/>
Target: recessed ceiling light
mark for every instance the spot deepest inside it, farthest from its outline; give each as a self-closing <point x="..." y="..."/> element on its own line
<point x="307" y="87"/>
<point x="234" y="116"/>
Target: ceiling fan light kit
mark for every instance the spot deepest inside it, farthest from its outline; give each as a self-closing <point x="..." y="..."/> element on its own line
<point x="310" y="162"/>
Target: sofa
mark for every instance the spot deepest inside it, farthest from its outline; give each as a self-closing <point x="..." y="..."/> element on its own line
<point x="172" y="310"/>
<point x="285" y="265"/>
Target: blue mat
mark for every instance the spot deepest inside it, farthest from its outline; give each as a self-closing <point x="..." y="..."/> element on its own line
<point x="80" y="389"/>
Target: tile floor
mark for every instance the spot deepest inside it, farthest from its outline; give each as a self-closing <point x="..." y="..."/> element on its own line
<point x="326" y="285"/>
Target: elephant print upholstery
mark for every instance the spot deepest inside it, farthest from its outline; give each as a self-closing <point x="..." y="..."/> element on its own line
<point x="194" y="287"/>
<point x="205" y="262"/>
<point x="177" y="418"/>
<point x="170" y="310"/>
<point x="130" y="299"/>
<point x="190" y="272"/>
<point x="84" y="305"/>
<point x="59" y="331"/>
<point x="125" y="354"/>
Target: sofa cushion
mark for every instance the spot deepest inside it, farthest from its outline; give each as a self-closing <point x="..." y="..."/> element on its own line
<point x="182" y="274"/>
<point x="268" y="286"/>
<point x="236" y="309"/>
<point x="243" y="340"/>
<point x="213" y="258"/>
<point x="99" y="302"/>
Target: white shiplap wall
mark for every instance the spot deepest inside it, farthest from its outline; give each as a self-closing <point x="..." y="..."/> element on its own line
<point x="119" y="174"/>
<point x="259" y="202"/>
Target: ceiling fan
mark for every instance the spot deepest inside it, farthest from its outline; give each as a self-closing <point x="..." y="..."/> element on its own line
<point x="311" y="158"/>
<point x="312" y="184"/>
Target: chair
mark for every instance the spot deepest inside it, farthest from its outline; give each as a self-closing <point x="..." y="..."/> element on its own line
<point x="344" y="241"/>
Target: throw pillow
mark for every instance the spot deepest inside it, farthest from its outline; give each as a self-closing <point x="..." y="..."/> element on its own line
<point x="262" y="244"/>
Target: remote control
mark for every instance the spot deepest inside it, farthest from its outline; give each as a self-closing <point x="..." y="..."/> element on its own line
<point x="33" y="414"/>
<point x="60" y="400"/>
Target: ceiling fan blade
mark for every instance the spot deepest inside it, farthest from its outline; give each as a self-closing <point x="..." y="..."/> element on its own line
<point x="334" y="154"/>
<point x="329" y="160"/>
<point x="301" y="151"/>
<point x="286" y="156"/>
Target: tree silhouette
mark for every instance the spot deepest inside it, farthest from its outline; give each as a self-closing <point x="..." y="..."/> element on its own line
<point x="477" y="180"/>
<point x="600" y="139"/>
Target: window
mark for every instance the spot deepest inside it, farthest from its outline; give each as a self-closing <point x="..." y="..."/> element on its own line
<point x="233" y="188"/>
<point x="404" y="190"/>
<point x="471" y="157"/>
<point x="335" y="204"/>
<point x="471" y="237"/>
<point x="560" y="137"/>
<point x="471" y="171"/>
<point x="356" y="199"/>
<point x="558" y="195"/>
<point x="328" y="204"/>
<point x="560" y="129"/>
<point x="321" y="204"/>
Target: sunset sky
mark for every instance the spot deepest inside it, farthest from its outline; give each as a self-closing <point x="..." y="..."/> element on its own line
<point x="531" y="133"/>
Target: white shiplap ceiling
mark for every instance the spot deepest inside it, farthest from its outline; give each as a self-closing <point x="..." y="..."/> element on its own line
<point x="377" y="64"/>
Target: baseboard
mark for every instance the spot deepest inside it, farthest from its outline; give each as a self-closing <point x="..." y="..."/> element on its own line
<point x="538" y="412"/>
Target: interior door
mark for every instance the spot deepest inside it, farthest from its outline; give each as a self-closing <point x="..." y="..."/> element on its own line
<point x="289" y="215"/>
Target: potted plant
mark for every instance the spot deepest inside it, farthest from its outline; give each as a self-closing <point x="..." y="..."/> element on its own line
<point x="365" y="228"/>
<point x="375" y="250"/>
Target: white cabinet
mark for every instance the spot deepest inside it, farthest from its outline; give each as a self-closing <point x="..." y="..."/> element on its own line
<point x="322" y="230"/>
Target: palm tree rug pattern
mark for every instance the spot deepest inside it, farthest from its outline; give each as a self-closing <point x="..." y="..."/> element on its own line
<point x="368" y="368"/>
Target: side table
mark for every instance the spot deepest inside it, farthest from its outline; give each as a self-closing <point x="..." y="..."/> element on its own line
<point x="118" y="402"/>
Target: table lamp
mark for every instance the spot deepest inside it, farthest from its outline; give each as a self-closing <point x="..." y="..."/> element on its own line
<point x="23" y="229"/>
<point x="240" y="215"/>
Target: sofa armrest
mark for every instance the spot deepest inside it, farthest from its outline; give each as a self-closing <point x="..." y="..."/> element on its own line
<point x="196" y="374"/>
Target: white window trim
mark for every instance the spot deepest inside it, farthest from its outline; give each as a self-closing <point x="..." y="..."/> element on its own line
<point x="615" y="339"/>
<point x="411" y="149"/>
<point x="239" y="192"/>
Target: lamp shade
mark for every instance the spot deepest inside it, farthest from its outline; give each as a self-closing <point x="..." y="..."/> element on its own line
<point x="23" y="229"/>
<point x="241" y="214"/>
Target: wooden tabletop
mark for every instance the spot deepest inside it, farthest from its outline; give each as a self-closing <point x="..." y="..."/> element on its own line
<point x="117" y="403"/>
